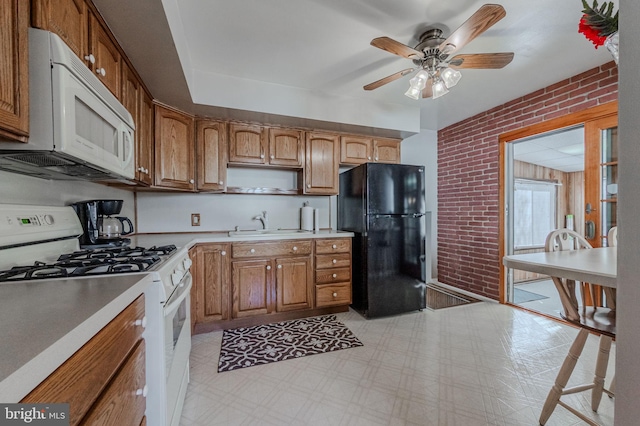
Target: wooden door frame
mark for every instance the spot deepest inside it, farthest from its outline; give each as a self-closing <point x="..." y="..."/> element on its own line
<point x="566" y="121"/>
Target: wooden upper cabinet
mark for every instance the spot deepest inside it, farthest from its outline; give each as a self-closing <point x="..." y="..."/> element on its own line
<point x="386" y="151"/>
<point x="108" y="60"/>
<point x="211" y="148"/>
<point x="355" y="149"/>
<point x="247" y="143"/>
<point x="14" y="73"/>
<point x="285" y="147"/>
<point x="321" y="163"/>
<point x="174" y="163"/>
<point x="145" y="138"/>
<point x="67" y="18"/>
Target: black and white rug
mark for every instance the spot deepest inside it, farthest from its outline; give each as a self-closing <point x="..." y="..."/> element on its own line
<point x="263" y="344"/>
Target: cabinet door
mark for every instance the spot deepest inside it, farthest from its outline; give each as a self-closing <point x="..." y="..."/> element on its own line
<point x="130" y="94"/>
<point x="173" y="149"/>
<point x="252" y="287"/>
<point x="14" y="75"/>
<point x="322" y="164"/>
<point x="145" y="139"/>
<point x="247" y="143"/>
<point x="386" y="151"/>
<point x="212" y="285"/>
<point x="107" y="56"/>
<point x="211" y="148"/>
<point x="355" y="149"/>
<point x="285" y="147"/>
<point x="293" y="284"/>
<point x="66" y="18"/>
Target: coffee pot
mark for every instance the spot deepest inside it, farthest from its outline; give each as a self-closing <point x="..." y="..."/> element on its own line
<point x="113" y="227"/>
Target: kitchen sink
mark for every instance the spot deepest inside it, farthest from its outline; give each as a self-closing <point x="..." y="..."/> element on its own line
<point x="259" y="232"/>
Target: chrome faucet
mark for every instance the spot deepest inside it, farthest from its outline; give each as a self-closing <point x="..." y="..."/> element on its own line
<point x="264" y="219"/>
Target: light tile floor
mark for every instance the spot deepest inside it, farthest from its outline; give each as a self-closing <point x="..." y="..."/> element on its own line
<point x="477" y="364"/>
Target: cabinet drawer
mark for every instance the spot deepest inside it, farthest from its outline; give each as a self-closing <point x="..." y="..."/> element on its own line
<point x="333" y="275"/>
<point x="83" y="377"/>
<point x="333" y="294"/>
<point x="338" y="245"/>
<point x="121" y="404"/>
<point x="270" y="249"/>
<point x="339" y="260"/>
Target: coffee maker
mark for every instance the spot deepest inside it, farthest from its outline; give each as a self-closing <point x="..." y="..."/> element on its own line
<point x="102" y="228"/>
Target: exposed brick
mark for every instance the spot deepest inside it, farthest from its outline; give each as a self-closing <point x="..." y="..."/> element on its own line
<point x="468" y="168"/>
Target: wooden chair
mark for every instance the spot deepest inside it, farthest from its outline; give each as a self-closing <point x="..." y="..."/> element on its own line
<point x="595" y="319"/>
<point x="612" y="237"/>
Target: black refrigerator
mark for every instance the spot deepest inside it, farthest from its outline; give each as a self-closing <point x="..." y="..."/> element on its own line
<point x="384" y="206"/>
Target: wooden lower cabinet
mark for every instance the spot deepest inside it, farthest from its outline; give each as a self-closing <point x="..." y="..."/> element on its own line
<point x="269" y="281"/>
<point x="104" y="379"/>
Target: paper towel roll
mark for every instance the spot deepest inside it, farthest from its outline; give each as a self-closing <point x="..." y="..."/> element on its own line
<point x="306" y="218"/>
<point x="316" y="220"/>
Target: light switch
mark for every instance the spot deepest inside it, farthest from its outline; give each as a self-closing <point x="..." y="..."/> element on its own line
<point x="195" y="219"/>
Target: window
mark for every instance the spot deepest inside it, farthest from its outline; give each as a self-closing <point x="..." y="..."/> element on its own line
<point x="534" y="212"/>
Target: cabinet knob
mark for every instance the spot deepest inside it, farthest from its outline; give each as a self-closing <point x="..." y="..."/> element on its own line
<point x="376" y="158"/>
<point x="335" y="275"/>
<point x="334" y="246"/>
<point x="223" y="253"/>
<point x="146" y="171"/>
<point x="90" y="58"/>
<point x="252" y="251"/>
<point x="140" y="169"/>
<point x="220" y="183"/>
<point x="369" y="158"/>
<point x="279" y="266"/>
<point x="335" y="294"/>
<point x="334" y="261"/>
<point x="142" y="322"/>
<point x="272" y="157"/>
<point x="144" y="391"/>
<point x="295" y="248"/>
<point x="261" y="155"/>
<point x="191" y="181"/>
<point x="308" y="185"/>
<point x="101" y="71"/>
<point x="268" y="267"/>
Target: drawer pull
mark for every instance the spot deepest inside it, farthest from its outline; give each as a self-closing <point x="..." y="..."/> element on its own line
<point x="335" y="294"/>
<point x="142" y="322"/>
<point x="144" y="391"/>
<point x="334" y="261"/>
<point x="268" y="267"/>
<point x="223" y="253"/>
<point x="334" y="246"/>
<point x="295" y="248"/>
<point x="279" y="266"/>
<point x="335" y="275"/>
<point x="252" y="251"/>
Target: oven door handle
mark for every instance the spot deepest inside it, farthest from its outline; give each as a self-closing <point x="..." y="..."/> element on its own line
<point x="180" y="294"/>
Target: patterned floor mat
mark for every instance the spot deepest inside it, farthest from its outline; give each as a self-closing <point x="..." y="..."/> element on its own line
<point x="263" y="344"/>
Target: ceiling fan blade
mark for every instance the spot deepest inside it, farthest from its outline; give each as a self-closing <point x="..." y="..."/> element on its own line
<point x="481" y="60"/>
<point x="397" y="48"/>
<point x="427" y="92"/>
<point x="388" y="79"/>
<point x="478" y="23"/>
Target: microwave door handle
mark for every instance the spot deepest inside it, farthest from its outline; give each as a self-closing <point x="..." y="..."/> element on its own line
<point x="128" y="141"/>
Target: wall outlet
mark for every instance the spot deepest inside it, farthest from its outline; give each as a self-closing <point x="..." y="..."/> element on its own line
<point x="195" y="219"/>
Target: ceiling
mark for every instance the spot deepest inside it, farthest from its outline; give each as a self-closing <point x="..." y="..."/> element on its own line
<point x="319" y="50"/>
<point x="562" y="150"/>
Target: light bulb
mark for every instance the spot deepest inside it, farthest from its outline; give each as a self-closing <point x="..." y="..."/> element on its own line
<point x="450" y="77"/>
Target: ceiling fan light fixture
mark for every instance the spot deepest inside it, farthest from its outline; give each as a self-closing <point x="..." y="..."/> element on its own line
<point x="439" y="89"/>
<point x="413" y="93"/>
<point x="416" y="84"/>
<point x="450" y="77"/>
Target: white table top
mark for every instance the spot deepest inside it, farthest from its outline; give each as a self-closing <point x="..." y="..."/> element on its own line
<point x="595" y="266"/>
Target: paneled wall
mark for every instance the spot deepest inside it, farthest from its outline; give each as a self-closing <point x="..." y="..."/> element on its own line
<point x="468" y="192"/>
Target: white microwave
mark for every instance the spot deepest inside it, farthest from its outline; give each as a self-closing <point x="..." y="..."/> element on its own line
<point x="77" y="128"/>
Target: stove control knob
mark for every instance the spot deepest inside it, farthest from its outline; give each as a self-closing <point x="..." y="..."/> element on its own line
<point x="175" y="278"/>
<point x="48" y="219"/>
<point x="187" y="263"/>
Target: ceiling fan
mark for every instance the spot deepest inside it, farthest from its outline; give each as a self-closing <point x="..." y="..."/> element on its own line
<point x="438" y="71"/>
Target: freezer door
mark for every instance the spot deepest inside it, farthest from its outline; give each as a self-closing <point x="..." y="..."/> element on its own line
<point x="395" y="269"/>
<point x="394" y="189"/>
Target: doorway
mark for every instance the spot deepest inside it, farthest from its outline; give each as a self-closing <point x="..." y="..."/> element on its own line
<point x="559" y="173"/>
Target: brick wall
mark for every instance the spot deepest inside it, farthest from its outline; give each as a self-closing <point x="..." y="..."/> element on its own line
<point x="468" y="175"/>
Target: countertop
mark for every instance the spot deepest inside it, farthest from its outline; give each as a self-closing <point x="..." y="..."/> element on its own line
<point x="190" y="239"/>
<point x="44" y="322"/>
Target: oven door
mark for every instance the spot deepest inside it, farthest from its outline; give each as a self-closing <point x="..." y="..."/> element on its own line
<point x="177" y="347"/>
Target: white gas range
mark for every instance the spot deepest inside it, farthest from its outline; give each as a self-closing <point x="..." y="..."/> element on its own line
<point x="41" y="243"/>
